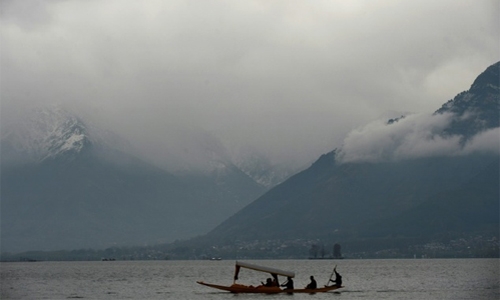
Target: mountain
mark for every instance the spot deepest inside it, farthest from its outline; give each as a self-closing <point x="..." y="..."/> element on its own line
<point x="66" y="184"/>
<point x="261" y="169"/>
<point x="476" y="109"/>
<point x="451" y="188"/>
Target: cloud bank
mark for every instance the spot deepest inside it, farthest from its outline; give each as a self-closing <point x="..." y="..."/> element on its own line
<point x="414" y="136"/>
<point x="288" y="78"/>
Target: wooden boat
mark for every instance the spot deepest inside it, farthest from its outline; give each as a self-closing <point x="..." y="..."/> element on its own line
<point x="240" y="288"/>
<point x="261" y="289"/>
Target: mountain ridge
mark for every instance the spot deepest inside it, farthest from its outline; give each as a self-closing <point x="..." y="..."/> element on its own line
<point x="65" y="186"/>
<point x="360" y="204"/>
<point x="347" y="201"/>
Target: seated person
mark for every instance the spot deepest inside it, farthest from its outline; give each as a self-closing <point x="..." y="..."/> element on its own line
<point x="312" y="285"/>
<point x="269" y="283"/>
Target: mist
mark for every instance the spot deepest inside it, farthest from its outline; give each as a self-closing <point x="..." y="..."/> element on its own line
<point x="411" y="137"/>
<point x="289" y="79"/>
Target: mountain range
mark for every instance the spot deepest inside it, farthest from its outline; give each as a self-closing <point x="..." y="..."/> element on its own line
<point x="69" y="184"/>
<point x="446" y="183"/>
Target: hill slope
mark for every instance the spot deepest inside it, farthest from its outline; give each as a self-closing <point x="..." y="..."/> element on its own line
<point x="66" y="185"/>
<point x="450" y="186"/>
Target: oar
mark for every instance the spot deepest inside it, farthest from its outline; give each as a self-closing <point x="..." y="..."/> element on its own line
<point x="331" y="275"/>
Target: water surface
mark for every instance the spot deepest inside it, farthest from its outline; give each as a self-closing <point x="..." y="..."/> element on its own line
<point x="363" y="279"/>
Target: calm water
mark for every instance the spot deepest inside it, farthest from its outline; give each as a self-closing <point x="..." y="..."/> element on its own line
<point x="363" y="279"/>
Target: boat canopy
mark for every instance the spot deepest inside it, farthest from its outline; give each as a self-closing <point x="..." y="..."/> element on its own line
<point x="240" y="264"/>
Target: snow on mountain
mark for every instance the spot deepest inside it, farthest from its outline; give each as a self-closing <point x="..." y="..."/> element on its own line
<point x="53" y="131"/>
<point x="74" y="184"/>
<point x="45" y="132"/>
<point x="261" y="169"/>
<point x="48" y="132"/>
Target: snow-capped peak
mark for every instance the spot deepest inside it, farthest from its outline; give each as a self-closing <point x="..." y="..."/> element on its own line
<point x="46" y="132"/>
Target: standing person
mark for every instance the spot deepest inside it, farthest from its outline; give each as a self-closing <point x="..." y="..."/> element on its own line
<point x="338" y="278"/>
<point x="288" y="284"/>
<point x="312" y="285"/>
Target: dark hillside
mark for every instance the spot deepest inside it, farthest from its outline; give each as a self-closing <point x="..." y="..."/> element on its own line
<point x="65" y="190"/>
<point x="422" y="197"/>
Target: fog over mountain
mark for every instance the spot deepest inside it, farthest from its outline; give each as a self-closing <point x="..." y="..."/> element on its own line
<point x="398" y="185"/>
<point x="413" y="136"/>
<point x="68" y="184"/>
<point x="286" y="79"/>
<point x="465" y="125"/>
<point x="212" y="103"/>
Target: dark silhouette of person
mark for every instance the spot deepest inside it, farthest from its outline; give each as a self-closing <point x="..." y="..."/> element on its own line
<point x="338" y="278"/>
<point x="275" y="280"/>
<point x="288" y="284"/>
<point x="312" y="285"/>
<point x="269" y="282"/>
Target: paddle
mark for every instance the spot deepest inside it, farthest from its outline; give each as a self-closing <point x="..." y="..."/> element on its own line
<point x="331" y="275"/>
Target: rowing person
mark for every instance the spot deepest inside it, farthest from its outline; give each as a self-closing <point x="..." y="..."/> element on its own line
<point x="288" y="284"/>
<point x="338" y="278"/>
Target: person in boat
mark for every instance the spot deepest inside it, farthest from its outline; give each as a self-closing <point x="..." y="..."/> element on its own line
<point x="275" y="280"/>
<point x="338" y="278"/>
<point x="312" y="285"/>
<point x="269" y="283"/>
<point x="288" y="284"/>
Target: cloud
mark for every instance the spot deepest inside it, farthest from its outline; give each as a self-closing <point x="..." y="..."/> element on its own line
<point x="414" y="136"/>
<point x="285" y="77"/>
<point x="484" y="142"/>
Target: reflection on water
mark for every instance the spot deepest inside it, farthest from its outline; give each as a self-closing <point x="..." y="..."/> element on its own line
<point x="363" y="279"/>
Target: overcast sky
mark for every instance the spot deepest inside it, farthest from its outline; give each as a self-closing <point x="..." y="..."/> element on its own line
<point x="289" y="78"/>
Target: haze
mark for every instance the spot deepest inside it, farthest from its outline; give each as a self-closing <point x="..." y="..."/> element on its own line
<point x="289" y="79"/>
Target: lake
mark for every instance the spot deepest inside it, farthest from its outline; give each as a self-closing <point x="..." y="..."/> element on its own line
<point x="363" y="279"/>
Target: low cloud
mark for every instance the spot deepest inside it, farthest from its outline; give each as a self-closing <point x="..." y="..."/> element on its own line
<point x="414" y="136"/>
<point x="286" y="78"/>
<point x="484" y="142"/>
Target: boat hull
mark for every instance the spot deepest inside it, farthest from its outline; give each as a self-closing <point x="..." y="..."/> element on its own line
<point x="240" y="288"/>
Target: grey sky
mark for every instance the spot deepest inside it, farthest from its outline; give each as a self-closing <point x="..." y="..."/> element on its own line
<point x="289" y="78"/>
